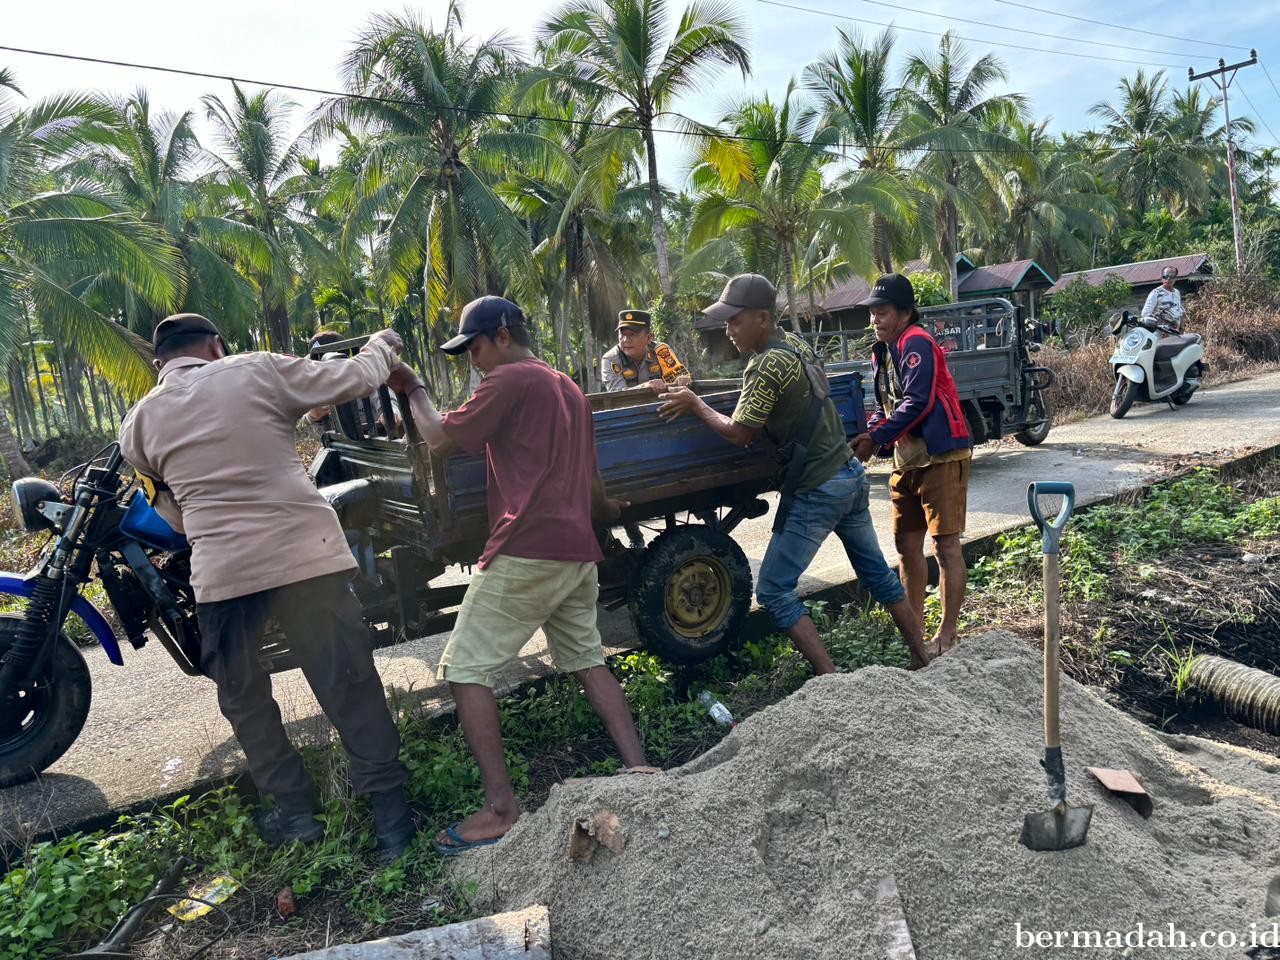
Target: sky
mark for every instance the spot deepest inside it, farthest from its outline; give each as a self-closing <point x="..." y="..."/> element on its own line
<point x="303" y="44"/>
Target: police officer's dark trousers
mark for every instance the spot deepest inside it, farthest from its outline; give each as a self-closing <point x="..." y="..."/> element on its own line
<point x="321" y="619"/>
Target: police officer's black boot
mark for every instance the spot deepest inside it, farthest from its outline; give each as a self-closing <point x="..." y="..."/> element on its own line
<point x="392" y="823"/>
<point x="292" y="818"/>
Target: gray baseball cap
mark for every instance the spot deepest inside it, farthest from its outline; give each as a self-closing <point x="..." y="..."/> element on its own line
<point x="746" y="291"/>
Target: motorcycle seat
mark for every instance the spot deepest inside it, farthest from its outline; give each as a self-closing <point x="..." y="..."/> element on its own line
<point x="346" y="499"/>
<point x="1170" y="347"/>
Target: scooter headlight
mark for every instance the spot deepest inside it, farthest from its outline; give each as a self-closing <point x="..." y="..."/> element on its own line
<point x="30" y="494"/>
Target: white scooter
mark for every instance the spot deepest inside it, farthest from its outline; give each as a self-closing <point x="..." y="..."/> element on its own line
<point x="1152" y="367"/>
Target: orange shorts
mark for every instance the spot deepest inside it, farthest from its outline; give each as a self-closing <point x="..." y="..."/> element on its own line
<point x="933" y="498"/>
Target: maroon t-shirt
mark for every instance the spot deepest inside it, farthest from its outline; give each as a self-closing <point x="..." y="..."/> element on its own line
<point x="535" y="424"/>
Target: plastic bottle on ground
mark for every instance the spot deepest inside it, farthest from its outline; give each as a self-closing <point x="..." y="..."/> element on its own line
<point x="719" y="712"/>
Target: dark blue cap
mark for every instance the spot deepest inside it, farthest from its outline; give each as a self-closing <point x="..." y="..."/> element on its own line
<point x="483" y="315"/>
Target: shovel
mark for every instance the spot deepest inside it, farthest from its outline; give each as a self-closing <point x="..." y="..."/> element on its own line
<point x="1063" y="826"/>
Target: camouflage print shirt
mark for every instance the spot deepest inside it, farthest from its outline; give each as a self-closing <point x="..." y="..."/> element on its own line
<point x="775" y="396"/>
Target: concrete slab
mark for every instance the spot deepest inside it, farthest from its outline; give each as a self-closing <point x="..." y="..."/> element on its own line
<point x="518" y="935"/>
<point x="154" y="732"/>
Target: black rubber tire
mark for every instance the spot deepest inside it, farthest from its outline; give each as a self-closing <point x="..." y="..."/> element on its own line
<point x="1122" y="398"/>
<point x="31" y="744"/>
<point x="704" y="556"/>
<point x="1034" y="436"/>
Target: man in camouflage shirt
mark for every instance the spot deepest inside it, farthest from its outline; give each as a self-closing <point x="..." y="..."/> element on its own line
<point x="833" y="493"/>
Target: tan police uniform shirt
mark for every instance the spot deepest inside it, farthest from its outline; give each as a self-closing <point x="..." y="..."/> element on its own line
<point x="620" y="372"/>
<point x="220" y="436"/>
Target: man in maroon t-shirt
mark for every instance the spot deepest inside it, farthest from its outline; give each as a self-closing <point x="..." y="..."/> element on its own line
<point x="538" y="568"/>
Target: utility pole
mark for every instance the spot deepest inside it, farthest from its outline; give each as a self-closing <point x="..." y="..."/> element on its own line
<point x="1222" y="82"/>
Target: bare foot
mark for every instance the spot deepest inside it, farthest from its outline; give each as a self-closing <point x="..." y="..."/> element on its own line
<point x="485" y="824"/>
<point x="944" y="644"/>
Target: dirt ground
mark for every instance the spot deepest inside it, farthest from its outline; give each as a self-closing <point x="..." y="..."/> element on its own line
<point x="1221" y="599"/>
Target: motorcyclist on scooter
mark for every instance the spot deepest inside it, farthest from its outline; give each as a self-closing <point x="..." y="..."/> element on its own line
<point x="1164" y="303"/>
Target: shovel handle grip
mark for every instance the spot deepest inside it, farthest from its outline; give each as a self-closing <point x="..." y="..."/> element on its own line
<point x="1051" y="531"/>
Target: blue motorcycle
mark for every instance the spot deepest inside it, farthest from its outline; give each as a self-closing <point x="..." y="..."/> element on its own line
<point x="143" y="565"/>
<point x="104" y="528"/>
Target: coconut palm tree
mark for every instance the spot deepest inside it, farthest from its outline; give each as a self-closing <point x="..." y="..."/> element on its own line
<point x="339" y="279"/>
<point x="1262" y="163"/>
<point x="953" y="120"/>
<point x="154" y="163"/>
<point x="1143" y="154"/>
<point x="258" y="178"/>
<point x="858" y="96"/>
<point x="61" y="243"/>
<point x="426" y="187"/>
<point x="581" y="210"/>
<point x="769" y="187"/>
<point x="1193" y="122"/>
<point x="617" y="51"/>
<point x="1048" y="205"/>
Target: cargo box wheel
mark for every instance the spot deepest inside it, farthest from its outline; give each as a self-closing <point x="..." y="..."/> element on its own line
<point x="1040" y="416"/>
<point x="691" y="594"/>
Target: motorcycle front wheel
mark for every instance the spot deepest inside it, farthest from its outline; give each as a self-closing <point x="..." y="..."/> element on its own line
<point x="1122" y="399"/>
<point x="40" y="720"/>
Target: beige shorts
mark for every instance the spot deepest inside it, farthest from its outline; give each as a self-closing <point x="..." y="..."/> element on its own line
<point x="508" y="602"/>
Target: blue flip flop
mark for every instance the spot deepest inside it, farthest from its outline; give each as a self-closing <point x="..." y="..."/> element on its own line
<point x="459" y="844"/>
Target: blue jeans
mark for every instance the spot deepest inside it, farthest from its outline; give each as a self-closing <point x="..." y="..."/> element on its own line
<point x="841" y="505"/>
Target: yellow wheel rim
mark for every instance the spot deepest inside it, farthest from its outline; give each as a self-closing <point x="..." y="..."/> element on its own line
<point x="698" y="597"/>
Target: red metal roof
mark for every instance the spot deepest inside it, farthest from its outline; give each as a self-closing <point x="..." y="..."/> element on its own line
<point x="840" y="297"/>
<point x="1005" y="278"/>
<point x="963" y="265"/>
<point x="1142" y="273"/>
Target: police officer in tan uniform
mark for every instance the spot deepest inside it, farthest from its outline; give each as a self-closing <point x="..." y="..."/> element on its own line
<point x="216" y="439"/>
<point x="638" y="359"/>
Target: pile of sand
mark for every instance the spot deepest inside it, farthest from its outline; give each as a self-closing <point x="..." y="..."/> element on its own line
<point x="772" y="844"/>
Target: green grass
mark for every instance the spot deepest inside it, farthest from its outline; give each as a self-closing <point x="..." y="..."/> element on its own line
<point x="1119" y="540"/>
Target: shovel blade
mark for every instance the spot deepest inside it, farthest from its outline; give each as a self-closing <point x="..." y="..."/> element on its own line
<point x="1062" y="827"/>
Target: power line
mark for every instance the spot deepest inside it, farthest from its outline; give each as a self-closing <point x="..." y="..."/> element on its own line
<point x="998" y="43"/>
<point x="568" y="121"/>
<point x="1267" y="74"/>
<point x="1116" y="26"/>
<point x="1034" y="33"/>
<point x="1257" y="112"/>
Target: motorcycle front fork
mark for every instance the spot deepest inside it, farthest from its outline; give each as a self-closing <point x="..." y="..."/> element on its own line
<point x="37" y="632"/>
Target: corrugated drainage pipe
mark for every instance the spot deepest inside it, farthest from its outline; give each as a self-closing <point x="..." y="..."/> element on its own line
<point x="1246" y="694"/>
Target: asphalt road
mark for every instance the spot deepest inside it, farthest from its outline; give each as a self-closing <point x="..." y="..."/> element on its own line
<point x="153" y="731"/>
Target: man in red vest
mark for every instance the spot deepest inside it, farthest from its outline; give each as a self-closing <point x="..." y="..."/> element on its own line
<point x="919" y="418"/>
